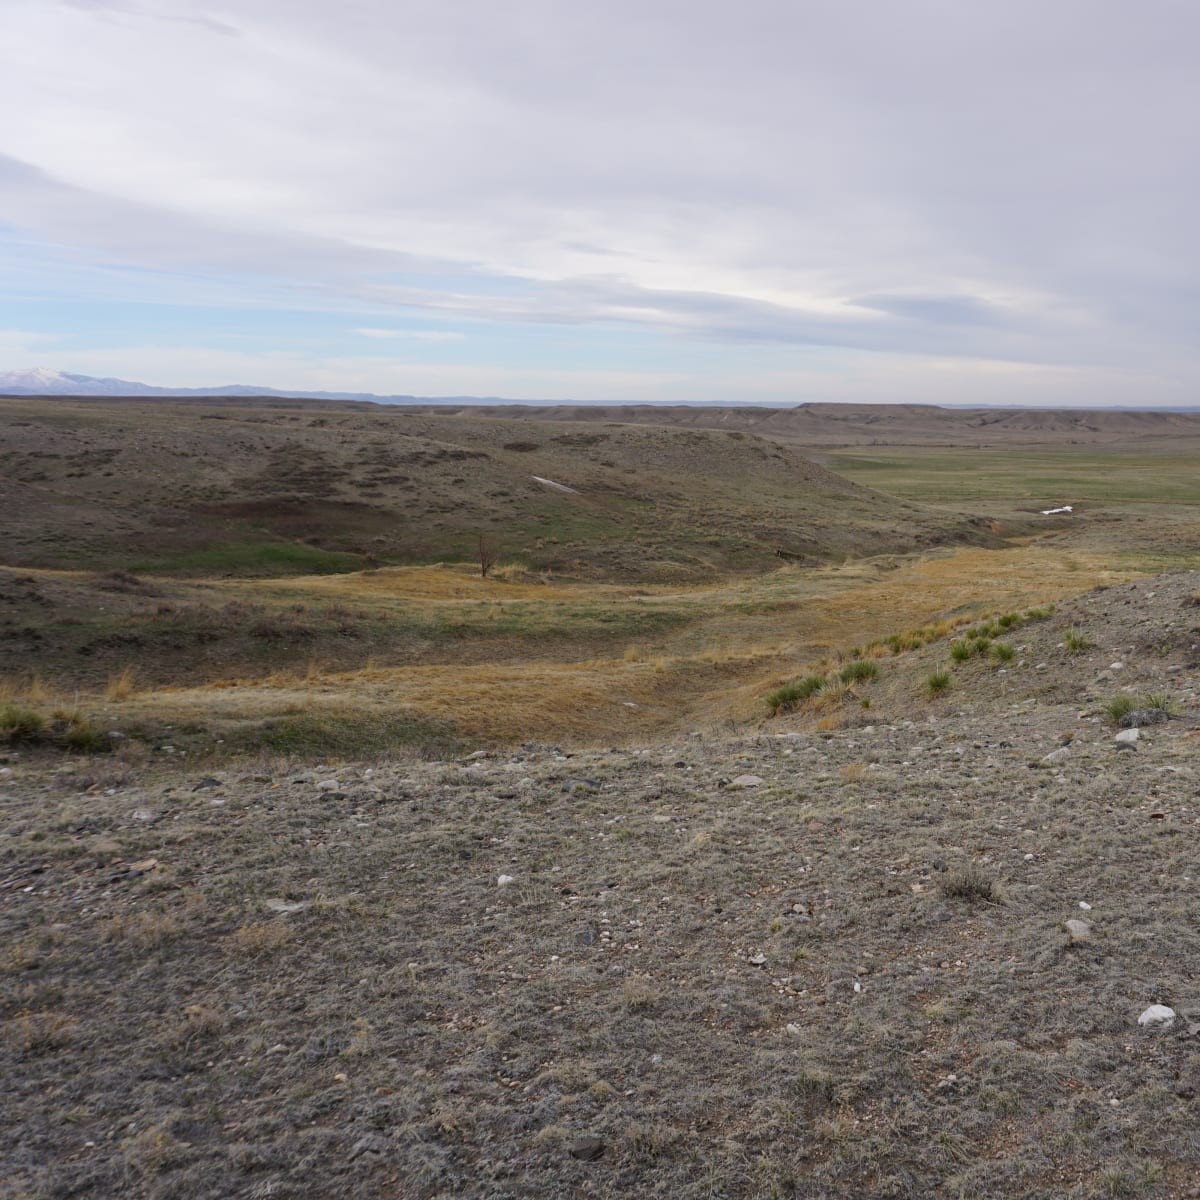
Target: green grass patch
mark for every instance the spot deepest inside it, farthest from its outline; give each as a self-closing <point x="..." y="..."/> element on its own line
<point x="938" y="682"/>
<point x="252" y="559"/>
<point x="21" y="724"/>
<point x="859" y="671"/>
<point x="342" y="735"/>
<point x="1076" y="643"/>
<point x="1119" y="706"/>
<point x="792" y="695"/>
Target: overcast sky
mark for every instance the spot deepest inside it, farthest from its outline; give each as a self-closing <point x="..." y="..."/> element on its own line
<point x="972" y="201"/>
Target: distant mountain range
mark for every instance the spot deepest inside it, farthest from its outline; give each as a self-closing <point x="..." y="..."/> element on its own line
<point x="40" y="381"/>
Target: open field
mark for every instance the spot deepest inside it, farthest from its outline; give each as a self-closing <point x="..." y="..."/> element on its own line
<point x="787" y="963"/>
<point x="1158" y="475"/>
<point x="481" y="659"/>
<point x="792" y="838"/>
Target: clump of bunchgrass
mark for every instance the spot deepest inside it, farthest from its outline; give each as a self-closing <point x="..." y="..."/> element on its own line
<point x="1119" y="706"/>
<point x="19" y="723"/>
<point x="120" y="686"/>
<point x="860" y="670"/>
<point x="792" y="695"/>
<point x="1076" y="643"/>
<point x="1003" y="652"/>
<point x="83" y="737"/>
<point x="971" y="883"/>
<point x="938" y="682"/>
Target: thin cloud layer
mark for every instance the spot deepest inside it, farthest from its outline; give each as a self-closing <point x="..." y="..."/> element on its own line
<point x="576" y="192"/>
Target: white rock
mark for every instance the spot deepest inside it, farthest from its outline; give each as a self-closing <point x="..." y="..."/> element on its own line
<point x="1157" y="1015"/>
<point x="504" y="880"/>
<point x="746" y="781"/>
<point x="329" y="785"/>
<point x="794" y="1030"/>
<point x="1117" y="666"/>
<point x="1085" y="906"/>
<point x="1127" y="736"/>
<point x="1080" y="931"/>
<point x="1059" y="755"/>
<point x="758" y="959"/>
<point x="275" y="904"/>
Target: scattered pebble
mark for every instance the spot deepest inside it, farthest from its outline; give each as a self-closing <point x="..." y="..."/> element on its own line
<point x="746" y="781"/>
<point x="1126" y="737"/>
<point x="1080" y="931"/>
<point x="504" y="880"/>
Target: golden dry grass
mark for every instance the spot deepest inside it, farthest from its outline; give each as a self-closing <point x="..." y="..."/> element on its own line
<point x="120" y="686"/>
<point x="713" y="668"/>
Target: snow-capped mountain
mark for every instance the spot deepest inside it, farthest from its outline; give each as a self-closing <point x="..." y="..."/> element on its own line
<point x="40" y="381"/>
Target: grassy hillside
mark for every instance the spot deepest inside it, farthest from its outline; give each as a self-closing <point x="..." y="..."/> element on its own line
<point x="181" y="489"/>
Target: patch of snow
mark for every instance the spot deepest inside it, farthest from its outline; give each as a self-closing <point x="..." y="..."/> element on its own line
<point x="558" y="487"/>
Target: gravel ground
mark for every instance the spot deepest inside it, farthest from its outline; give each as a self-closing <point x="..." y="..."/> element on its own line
<point x="789" y="961"/>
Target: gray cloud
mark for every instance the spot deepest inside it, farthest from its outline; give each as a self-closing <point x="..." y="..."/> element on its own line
<point x="1011" y="182"/>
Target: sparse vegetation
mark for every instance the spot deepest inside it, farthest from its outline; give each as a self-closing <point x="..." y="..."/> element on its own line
<point x="1119" y="706"/>
<point x="792" y="695"/>
<point x="120" y="686"/>
<point x="21" y="724"/>
<point x="1075" y="642"/>
<point x="938" y="681"/>
<point x="1003" y="652"/>
<point x="859" y="671"/>
<point x="963" y="650"/>
<point x="971" y="883"/>
<point x="297" y="972"/>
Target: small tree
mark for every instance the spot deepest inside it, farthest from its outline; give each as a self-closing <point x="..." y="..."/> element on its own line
<point x="487" y="556"/>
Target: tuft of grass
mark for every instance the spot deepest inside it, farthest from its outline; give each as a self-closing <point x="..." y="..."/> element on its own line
<point x="962" y="651"/>
<point x="260" y="938"/>
<point x="859" y="671"/>
<point x="938" y="682"/>
<point x="120" y="686"/>
<point x="1119" y="706"/>
<point x="971" y="883"/>
<point x="1076" y="643"/>
<point x="1159" y="700"/>
<point x="83" y="737"/>
<point x="314" y="734"/>
<point x="21" y="724"/>
<point x="792" y="695"/>
<point x="1003" y="652"/>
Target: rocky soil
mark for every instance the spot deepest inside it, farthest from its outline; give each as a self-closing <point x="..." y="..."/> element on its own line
<point x="783" y="961"/>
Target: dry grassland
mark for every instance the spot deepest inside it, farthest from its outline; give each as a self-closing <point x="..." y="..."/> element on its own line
<point x="525" y="661"/>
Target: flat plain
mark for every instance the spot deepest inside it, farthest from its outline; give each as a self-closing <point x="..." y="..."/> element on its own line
<point x="794" y="731"/>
